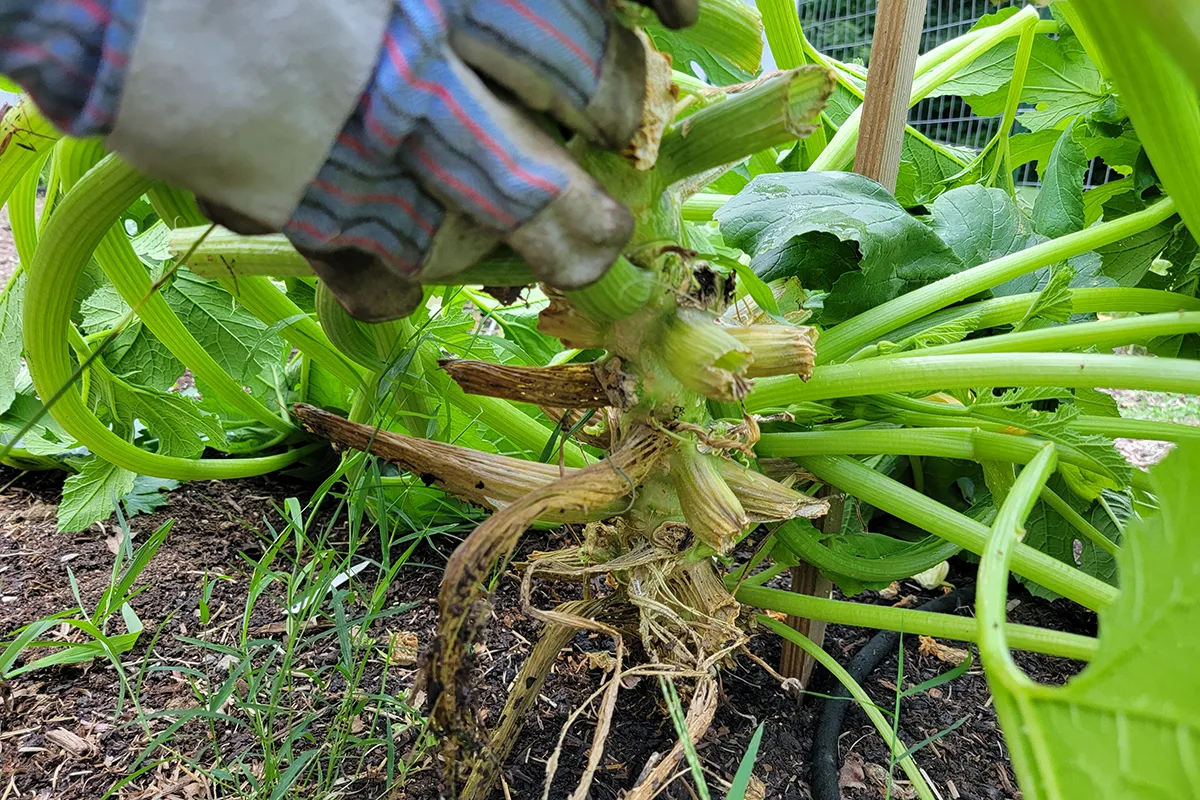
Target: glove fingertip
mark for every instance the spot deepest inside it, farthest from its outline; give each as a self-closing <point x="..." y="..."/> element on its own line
<point x="573" y="241"/>
<point x="364" y="286"/>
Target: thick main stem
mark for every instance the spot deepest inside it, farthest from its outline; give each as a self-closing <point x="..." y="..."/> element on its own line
<point x="776" y="111"/>
<point x="935" y="373"/>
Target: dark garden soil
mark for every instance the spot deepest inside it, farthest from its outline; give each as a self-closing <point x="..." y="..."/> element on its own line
<point x="61" y="735"/>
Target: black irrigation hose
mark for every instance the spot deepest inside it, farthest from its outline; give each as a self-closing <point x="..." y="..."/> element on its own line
<point x="825" y="742"/>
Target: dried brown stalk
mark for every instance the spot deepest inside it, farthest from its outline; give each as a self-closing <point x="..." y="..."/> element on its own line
<point x="699" y="718"/>
<point x="565" y="385"/>
<point x="486" y="479"/>
<point x="526" y="688"/>
<point x="462" y="601"/>
<point x="710" y="507"/>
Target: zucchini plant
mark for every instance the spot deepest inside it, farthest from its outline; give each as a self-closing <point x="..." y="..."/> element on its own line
<point x="777" y="327"/>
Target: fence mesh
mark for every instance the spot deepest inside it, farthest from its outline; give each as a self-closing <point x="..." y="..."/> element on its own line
<point x="843" y="29"/>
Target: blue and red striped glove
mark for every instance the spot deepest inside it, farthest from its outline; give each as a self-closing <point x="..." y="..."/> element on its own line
<point x="363" y="129"/>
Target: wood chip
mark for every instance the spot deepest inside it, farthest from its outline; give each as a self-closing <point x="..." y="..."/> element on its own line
<point x="944" y="653"/>
<point x="403" y="649"/>
<point x="69" y="741"/>
<point x="755" y="789"/>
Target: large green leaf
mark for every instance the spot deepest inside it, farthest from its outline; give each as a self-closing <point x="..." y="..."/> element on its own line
<point x="1128" y="726"/>
<point x="775" y="217"/>
<point x="1061" y="82"/>
<point x="234" y="337"/>
<point x="135" y="352"/>
<point x="927" y="170"/>
<point x="89" y="495"/>
<point x="11" y="340"/>
<point x="1128" y="260"/>
<point x="1159" y="95"/>
<point x="182" y="429"/>
<point x="726" y="43"/>
<point x="981" y="224"/>
<point x="46" y="437"/>
<point x="1058" y="209"/>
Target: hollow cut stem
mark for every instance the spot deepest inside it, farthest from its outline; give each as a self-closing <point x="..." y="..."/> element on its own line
<point x="775" y="111"/>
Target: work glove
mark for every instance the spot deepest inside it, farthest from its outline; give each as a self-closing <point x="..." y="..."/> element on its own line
<point x="390" y="140"/>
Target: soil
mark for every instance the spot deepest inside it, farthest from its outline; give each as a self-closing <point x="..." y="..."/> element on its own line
<point x="64" y="731"/>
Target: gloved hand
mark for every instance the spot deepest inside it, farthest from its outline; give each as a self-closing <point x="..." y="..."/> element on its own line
<point x="363" y="129"/>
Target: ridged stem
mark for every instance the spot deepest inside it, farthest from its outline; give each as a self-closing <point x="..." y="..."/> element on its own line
<point x="963" y="443"/>
<point x="32" y="137"/>
<point x="702" y="206"/>
<point x="910" y="621"/>
<point x="261" y="297"/>
<point x="926" y="513"/>
<point x="623" y="290"/>
<point x="991" y="595"/>
<point x="939" y="373"/>
<point x="225" y="254"/>
<point x="1012" y="308"/>
<point x="71" y="236"/>
<point x="1102" y="334"/>
<point x="843" y="340"/>
<point x="777" y="111"/>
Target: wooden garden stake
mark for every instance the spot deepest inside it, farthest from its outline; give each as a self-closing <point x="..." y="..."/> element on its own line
<point x="889" y="85"/>
<point x="807" y="579"/>
<point x="893" y="63"/>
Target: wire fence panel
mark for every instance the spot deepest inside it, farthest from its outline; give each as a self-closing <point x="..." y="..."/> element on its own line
<point x="843" y="30"/>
